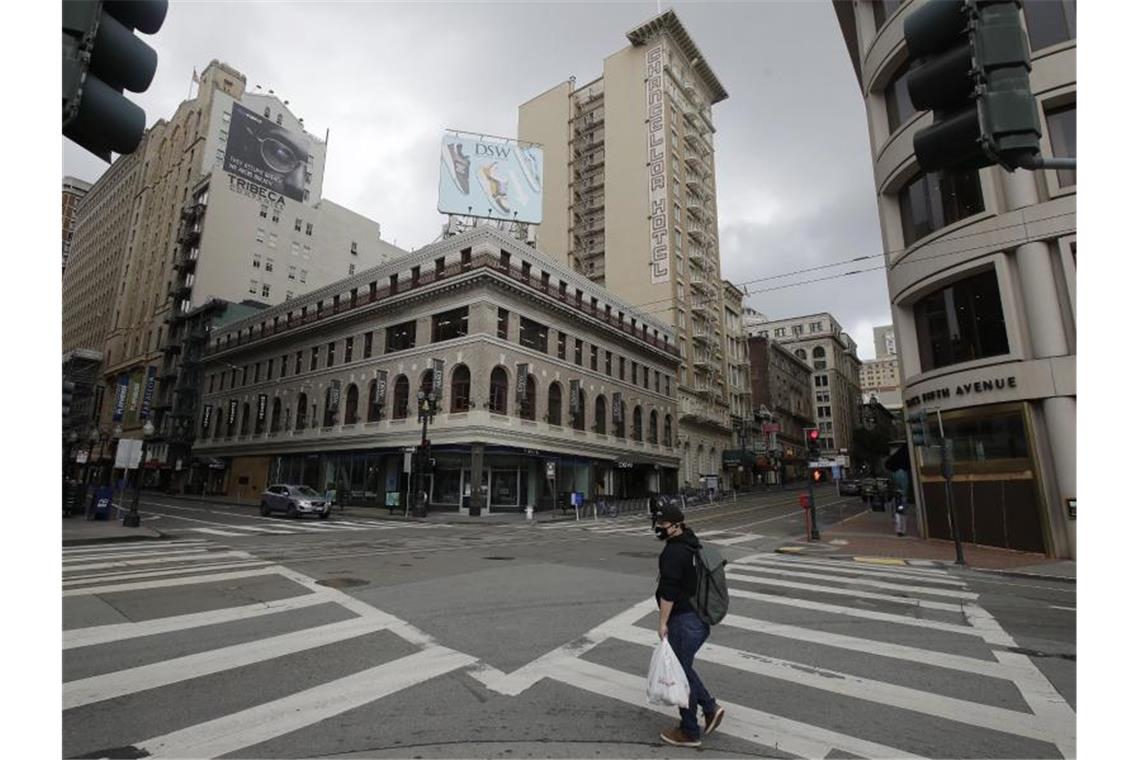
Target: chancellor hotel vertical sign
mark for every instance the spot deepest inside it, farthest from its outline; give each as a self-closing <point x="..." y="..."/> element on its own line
<point x="658" y="223"/>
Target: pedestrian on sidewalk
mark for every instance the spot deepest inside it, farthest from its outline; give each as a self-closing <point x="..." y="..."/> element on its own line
<point x="679" y="622"/>
<point x="902" y="489"/>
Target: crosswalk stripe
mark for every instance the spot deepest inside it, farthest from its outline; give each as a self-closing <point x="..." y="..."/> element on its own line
<point x="140" y="547"/>
<point x="133" y="574"/>
<point x="843" y="569"/>
<point x="131" y="556"/>
<point x="756" y="726"/>
<point x="849" y="566"/>
<point x="885" y="617"/>
<point x="955" y="593"/>
<point x="735" y="539"/>
<point x="928" y="703"/>
<point x="267" y="721"/>
<point x="866" y="646"/>
<point x="102" y="634"/>
<point x="86" y="691"/>
<point x="171" y="557"/>
<point x="167" y="582"/>
<point x="217" y="532"/>
<point x="835" y="591"/>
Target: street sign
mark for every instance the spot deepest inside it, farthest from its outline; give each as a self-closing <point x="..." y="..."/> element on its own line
<point x="128" y="453"/>
<point x="81" y="456"/>
<point x="550" y="469"/>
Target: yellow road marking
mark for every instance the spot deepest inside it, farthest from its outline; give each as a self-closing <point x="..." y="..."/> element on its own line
<point x="880" y="560"/>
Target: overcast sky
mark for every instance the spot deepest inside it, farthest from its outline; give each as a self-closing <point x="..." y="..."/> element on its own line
<point x="792" y="157"/>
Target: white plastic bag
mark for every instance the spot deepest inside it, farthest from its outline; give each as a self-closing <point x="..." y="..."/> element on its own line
<point x="668" y="684"/>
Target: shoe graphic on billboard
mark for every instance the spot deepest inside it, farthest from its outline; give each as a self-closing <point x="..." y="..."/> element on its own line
<point x="460" y="167"/>
<point x="495" y="186"/>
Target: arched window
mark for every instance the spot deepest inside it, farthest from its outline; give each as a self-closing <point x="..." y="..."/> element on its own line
<point x="554" y="404"/>
<point x="275" y="417"/>
<point x="700" y="461"/>
<point x="302" y="411"/>
<point x="400" y="398"/>
<point x="528" y="405"/>
<point x="374" y="404"/>
<point x="245" y="419"/>
<point x="637" y="423"/>
<point x="818" y="352"/>
<point x="330" y="408"/>
<point x="499" y="390"/>
<point x="801" y="354"/>
<point x="580" y="418"/>
<point x="714" y="463"/>
<point x="351" y="402"/>
<point x="652" y="432"/>
<point x="600" y="414"/>
<point x="426" y="383"/>
<point x="668" y="437"/>
<point x="220" y="416"/>
<point x="619" y="421"/>
<point x="460" y="388"/>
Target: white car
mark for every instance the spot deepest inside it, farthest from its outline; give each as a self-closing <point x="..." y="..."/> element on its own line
<point x="294" y="501"/>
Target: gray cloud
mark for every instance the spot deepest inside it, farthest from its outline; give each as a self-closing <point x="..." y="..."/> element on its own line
<point x="793" y="163"/>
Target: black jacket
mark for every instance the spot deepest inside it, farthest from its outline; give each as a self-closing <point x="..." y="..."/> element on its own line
<point x="676" y="573"/>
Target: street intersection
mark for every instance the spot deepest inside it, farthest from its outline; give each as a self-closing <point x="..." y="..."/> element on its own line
<point x="430" y="639"/>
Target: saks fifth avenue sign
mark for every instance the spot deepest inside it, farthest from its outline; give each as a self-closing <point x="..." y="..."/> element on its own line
<point x="976" y="388"/>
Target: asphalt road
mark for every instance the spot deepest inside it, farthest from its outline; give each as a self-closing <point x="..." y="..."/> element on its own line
<point x="364" y="637"/>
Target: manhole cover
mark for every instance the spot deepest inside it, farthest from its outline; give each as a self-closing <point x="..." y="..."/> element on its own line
<point x="639" y="555"/>
<point x="499" y="558"/>
<point x="342" y="582"/>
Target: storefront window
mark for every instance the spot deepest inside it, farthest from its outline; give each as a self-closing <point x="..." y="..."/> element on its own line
<point x="961" y="323"/>
<point x="445" y="486"/>
<point x="504" y="488"/>
<point x="986" y="434"/>
<point x="1062" y="126"/>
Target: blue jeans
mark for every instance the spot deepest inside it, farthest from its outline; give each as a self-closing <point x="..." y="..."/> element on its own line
<point x="687" y="633"/>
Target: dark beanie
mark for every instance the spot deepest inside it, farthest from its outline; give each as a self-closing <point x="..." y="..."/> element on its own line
<point x="669" y="513"/>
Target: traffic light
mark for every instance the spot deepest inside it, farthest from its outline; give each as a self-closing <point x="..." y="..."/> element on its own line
<point x="68" y="395"/>
<point x="811" y="441"/>
<point x="974" y="76"/>
<point x="917" y="423"/>
<point x="101" y="58"/>
<point x="817" y="476"/>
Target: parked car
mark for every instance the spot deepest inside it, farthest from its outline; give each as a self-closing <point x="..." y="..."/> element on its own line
<point x="848" y="487"/>
<point x="294" y="501"/>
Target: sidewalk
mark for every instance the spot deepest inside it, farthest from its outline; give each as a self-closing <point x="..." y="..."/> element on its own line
<point x="78" y="531"/>
<point x="870" y="537"/>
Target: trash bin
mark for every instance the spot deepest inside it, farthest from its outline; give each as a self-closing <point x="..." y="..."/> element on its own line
<point x="102" y="503"/>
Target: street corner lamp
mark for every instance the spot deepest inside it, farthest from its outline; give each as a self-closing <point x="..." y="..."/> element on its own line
<point x="131" y="519"/>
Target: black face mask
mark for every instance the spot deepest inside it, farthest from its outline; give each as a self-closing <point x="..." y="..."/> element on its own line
<point x="662" y="533"/>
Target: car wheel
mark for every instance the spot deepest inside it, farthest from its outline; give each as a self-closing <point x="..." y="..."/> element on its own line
<point x="264" y="509"/>
<point x="292" y="512"/>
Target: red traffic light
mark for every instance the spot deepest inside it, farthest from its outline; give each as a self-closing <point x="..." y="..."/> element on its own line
<point x="813" y="434"/>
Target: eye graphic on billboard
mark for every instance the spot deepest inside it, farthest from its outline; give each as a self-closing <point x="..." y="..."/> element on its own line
<point x="266" y="154"/>
<point x="490" y="177"/>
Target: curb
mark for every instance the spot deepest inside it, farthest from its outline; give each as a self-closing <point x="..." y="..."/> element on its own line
<point x="114" y="539"/>
<point x="1031" y="576"/>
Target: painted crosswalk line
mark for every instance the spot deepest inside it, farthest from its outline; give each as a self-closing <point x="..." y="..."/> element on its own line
<point x="1044" y="715"/>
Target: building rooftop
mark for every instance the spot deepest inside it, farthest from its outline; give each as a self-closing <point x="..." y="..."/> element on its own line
<point x="667" y="23"/>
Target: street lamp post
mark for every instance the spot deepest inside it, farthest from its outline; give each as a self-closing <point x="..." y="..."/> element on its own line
<point x="131" y="519"/>
<point x="426" y="411"/>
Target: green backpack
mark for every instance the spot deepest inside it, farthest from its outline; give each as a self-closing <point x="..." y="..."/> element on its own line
<point x="711" y="599"/>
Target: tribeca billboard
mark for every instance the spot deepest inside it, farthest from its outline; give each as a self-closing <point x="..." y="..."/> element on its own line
<point x="490" y="177"/>
<point x="266" y="155"/>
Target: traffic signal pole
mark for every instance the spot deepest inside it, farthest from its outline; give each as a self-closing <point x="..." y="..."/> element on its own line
<point x="947" y="476"/>
<point x="811" y="447"/>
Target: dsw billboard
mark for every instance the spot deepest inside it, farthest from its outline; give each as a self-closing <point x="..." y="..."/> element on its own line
<point x="265" y="154"/>
<point x="490" y="177"/>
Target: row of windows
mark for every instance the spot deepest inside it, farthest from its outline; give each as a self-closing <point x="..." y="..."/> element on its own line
<point x="460" y="401"/>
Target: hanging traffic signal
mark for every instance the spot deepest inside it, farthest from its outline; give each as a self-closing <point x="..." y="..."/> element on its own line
<point x="974" y="76"/>
<point x="811" y="442"/>
<point x="917" y="423"/>
<point x="101" y="58"/>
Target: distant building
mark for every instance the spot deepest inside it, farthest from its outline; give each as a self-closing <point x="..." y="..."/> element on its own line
<point x="885" y="342"/>
<point x="818" y="340"/>
<point x="879" y="379"/>
<point x="73" y="192"/>
<point x="782" y="407"/>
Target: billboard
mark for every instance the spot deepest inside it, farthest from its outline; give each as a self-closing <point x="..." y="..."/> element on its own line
<point x="266" y="155"/>
<point x="490" y="177"/>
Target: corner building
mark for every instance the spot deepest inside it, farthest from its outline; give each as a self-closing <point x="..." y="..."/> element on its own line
<point x="543" y="371"/>
<point x="981" y="271"/>
<point x="630" y="202"/>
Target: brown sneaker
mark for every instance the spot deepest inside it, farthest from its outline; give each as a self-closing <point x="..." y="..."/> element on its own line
<point x="679" y="738"/>
<point x="713" y="719"/>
